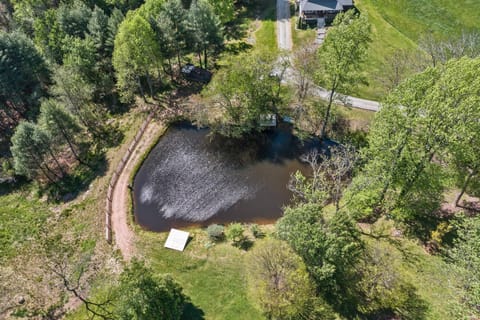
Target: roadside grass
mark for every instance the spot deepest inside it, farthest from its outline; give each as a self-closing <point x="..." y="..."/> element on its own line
<point x="212" y="276"/>
<point x="265" y="35"/>
<point x="301" y="37"/>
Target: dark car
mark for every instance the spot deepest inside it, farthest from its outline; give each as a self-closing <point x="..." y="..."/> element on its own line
<point x="193" y="73"/>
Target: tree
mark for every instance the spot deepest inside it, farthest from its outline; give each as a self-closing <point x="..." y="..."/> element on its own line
<point x="49" y="36"/>
<point x="172" y="30"/>
<point x="245" y="92"/>
<point x="427" y="121"/>
<point x="98" y="31"/>
<point x="465" y="255"/>
<point x="23" y="76"/>
<point x="144" y="296"/>
<point x="439" y="51"/>
<point x="30" y="150"/>
<point x="342" y="55"/>
<point x="61" y="126"/>
<point x="136" y="53"/>
<point x="278" y="280"/>
<point x="224" y="9"/>
<point x="73" y="18"/>
<point x="385" y="292"/>
<point x="115" y="19"/>
<point x="205" y="27"/>
<point x="331" y="174"/>
<point x="329" y="246"/>
<point x="305" y="62"/>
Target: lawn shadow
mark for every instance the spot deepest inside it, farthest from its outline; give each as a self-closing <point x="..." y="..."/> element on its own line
<point x="192" y="312"/>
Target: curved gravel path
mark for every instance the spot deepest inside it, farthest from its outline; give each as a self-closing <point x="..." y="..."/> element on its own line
<point x="123" y="234"/>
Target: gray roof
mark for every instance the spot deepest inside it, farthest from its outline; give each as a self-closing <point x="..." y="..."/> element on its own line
<point x="324" y="5"/>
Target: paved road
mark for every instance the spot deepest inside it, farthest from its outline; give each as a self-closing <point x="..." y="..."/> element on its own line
<point x="284" y="29"/>
<point x="284" y="40"/>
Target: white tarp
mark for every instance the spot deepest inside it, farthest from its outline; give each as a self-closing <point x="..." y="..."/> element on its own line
<point x="177" y="239"/>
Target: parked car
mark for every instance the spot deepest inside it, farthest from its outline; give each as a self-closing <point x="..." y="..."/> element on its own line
<point x="193" y="73"/>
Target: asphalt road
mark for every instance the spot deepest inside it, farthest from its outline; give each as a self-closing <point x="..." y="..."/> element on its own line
<point x="284" y="29"/>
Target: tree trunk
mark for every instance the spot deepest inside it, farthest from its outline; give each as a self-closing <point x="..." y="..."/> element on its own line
<point x="199" y="55"/>
<point x="149" y="82"/>
<point x="327" y="115"/>
<point x="56" y="161"/>
<point x="205" y="57"/>
<point x="464" y="187"/>
<point x="139" y="83"/>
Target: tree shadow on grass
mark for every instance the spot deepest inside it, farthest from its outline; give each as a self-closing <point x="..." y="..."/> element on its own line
<point x="192" y="312"/>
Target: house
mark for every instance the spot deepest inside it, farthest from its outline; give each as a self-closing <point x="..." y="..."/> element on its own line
<point x="321" y="12"/>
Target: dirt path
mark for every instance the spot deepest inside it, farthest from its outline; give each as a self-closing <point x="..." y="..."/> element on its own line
<point x="123" y="234"/>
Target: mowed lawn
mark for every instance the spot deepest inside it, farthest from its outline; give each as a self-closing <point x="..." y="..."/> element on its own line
<point x="398" y="24"/>
<point x="214" y="278"/>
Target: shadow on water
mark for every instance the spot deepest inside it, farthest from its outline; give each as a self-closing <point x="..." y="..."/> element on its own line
<point x="194" y="178"/>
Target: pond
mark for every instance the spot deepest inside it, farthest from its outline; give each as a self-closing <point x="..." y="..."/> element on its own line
<point x="192" y="179"/>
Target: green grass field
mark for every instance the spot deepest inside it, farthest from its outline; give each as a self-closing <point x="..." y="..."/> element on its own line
<point x="21" y="220"/>
<point x="398" y="24"/>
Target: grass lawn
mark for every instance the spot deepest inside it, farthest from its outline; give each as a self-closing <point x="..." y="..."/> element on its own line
<point x="431" y="277"/>
<point x="398" y="24"/>
<point x="301" y="37"/>
<point x="213" y="278"/>
<point x="22" y="218"/>
<point x="265" y="35"/>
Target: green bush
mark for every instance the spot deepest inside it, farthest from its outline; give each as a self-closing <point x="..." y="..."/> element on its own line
<point x="255" y="229"/>
<point x="235" y="233"/>
<point x="215" y="232"/>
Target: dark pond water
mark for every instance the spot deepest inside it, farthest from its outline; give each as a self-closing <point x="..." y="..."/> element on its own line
<point x="191" y="179"/>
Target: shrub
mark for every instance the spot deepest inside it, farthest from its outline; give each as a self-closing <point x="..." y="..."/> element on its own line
<point x="235" y="234"/>
<point x="255" y="229"/>
<point x="215" y="232"/>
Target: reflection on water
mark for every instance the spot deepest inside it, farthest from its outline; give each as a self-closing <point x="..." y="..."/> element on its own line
<point x="190" y="179"/>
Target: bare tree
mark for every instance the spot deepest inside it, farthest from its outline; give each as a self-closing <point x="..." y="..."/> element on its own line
<point x="331" y="174"/>
<point x="441" y="50"/>
<point x="305" y="62"/>
<point x="400" y="65"/>
<point x="73" y="272"/>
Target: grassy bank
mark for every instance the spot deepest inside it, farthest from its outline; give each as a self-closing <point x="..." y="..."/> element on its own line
<point x="398" y="24"/>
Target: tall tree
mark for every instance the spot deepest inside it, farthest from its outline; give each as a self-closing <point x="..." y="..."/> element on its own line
<point x="73" y="18"/>
<point x="341" y="57"/>
<point x="61" y="125"/>
<point x="224" y="9"/>
<point x="465" y="255"/>
<point x="30" y="150"/>
<point x="205" y="27"/>
<point x="427" y="121"/>
<point x="172" y="23"/>
<point x="279" y="280"/>
<point x="49" y="36"/>
<point x="245" y="92"/>
<point x="98" y="30"/>
<point x="329" y="246"/>
<point x="144" y="296"/>
<point x="136" y="54"/>
<point x="23" y="76"/>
